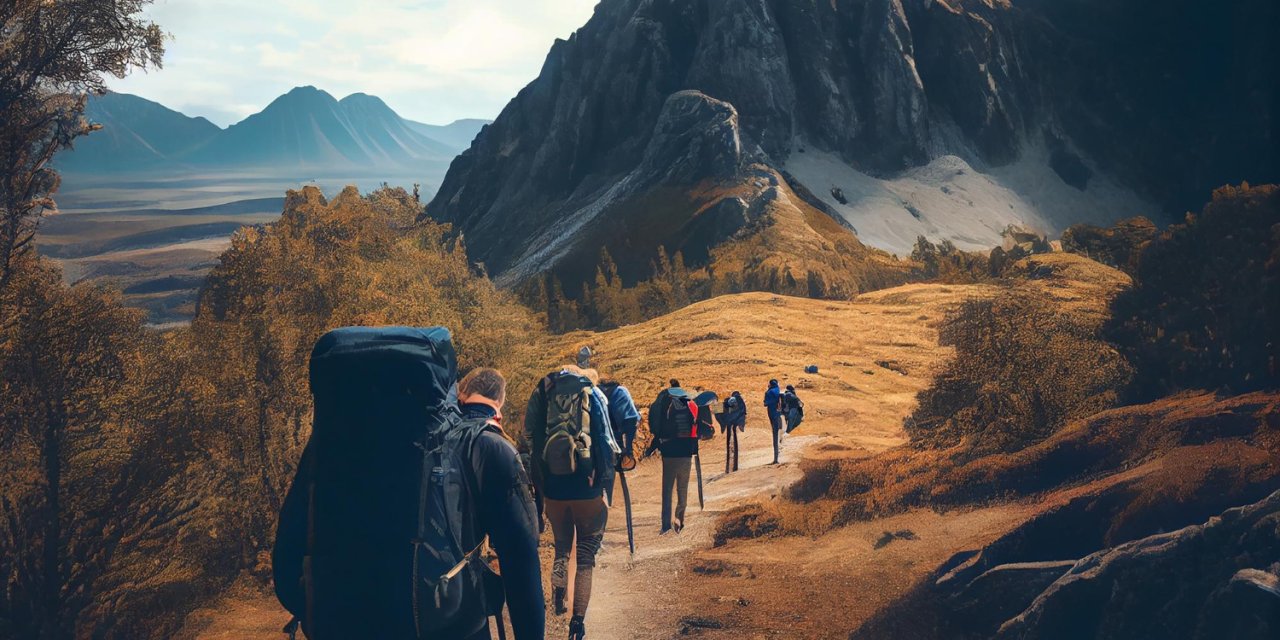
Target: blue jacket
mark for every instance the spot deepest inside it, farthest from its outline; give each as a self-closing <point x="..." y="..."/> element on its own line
<point x="623" y="414"/>
<point x="772" y="401"/>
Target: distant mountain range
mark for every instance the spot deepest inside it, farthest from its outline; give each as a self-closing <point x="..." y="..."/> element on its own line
<point x="305" y="128"/>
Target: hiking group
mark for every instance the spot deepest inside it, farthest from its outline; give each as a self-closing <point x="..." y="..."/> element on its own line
<point x="413" y="513"/>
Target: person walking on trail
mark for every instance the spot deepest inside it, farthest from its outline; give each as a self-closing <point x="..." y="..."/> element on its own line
<point x="574" y="456"/>
<point x="773" y="404"/>
<point x="673" y="422"/>
<point x="505" y="508"/>
<point x="624" y="417"/>
<point x="732" y="421"/>
<point x="792" y="408"/>
<point x="386" y="410"/>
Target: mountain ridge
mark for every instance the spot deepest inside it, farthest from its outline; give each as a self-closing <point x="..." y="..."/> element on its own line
<point x="1012" y="91"/>
<point x="305" y="128"/>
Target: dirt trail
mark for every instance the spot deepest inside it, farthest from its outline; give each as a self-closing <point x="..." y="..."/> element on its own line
<point x="874" y="355"/>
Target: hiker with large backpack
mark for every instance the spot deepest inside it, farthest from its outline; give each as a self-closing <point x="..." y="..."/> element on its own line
<point x="625" y="419"/>
<point x="792" y="408"/>
<point x="773" y="404"/>
<point x="673" y="420"/>
<point x="732" y="421"/>
<point x="573" y="451"/>
<point x="401" y="494"/>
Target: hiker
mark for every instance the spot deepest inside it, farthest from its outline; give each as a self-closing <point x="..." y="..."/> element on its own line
<point x="672" y="420"/>
<point x="385" y="411"/>
<point x="792" y="408"/>
<point x="732" y="421"/>
<point x="773" y="404"/>
<point x="567" y="427"/>
<point x="624" y="418"/>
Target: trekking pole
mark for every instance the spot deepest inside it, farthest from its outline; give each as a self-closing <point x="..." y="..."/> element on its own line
<point x="697" y="464"/>
<point x="626" y="501"/>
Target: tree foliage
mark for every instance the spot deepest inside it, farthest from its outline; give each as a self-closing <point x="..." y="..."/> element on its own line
<point x="1023" y="368"/>
<point x="1118" y="246"/>
<point x="149" y="467"/>
<point x="1203" y="311"/>
<point x="52" y="54"/>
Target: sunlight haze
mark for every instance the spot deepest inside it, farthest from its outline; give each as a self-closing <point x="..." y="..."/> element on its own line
<point x="434" y="61"/>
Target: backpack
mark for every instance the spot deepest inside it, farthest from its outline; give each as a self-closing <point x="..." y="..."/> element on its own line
<point x="388" y="446"/>
<point x="679" y="419"/>
<point x="566" y="451"/>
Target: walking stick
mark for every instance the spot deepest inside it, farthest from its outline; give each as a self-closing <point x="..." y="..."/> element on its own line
<point x="697" y="464"/>
<point x="626" y="501"/>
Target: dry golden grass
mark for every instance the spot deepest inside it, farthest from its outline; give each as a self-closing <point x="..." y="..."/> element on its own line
<point x="739" y="342"/>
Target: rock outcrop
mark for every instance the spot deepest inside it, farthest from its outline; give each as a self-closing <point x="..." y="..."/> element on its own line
<point x="1096" y="107"/>
<point x="1218" y="579"/>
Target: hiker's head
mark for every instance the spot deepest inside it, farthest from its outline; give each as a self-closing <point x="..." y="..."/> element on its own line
<point x="773" y="383"/>
<point x="736" y="394"/>
<point x="791" y="388"/>
<point x="675" y="384"/>
<point x="483" y="386"/>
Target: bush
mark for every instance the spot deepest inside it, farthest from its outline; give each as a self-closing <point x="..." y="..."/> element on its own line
<point x="1022" y="369"/>
<point x="1117" y="247"/>
<point x="1204" y="312"/>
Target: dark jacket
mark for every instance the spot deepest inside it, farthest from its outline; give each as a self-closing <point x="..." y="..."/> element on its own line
<point x="507" y="516"/>
<point x="587" y="483"/>
<point x="668" y="447"/>
<point x="735" y="413"/>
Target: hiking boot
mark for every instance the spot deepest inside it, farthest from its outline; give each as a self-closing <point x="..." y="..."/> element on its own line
<point x="577" y="629"/>
<point x="557" y="600"/>
<point x="665" y="531"/>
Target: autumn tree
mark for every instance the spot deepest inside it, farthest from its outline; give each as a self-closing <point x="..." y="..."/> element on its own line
<point x="355" y="260"/>
<point x="52" y="55"/>
<point x="64" y="359"/>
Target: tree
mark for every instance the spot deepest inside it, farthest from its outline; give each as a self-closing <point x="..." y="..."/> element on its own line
<point x="52" y="55"/>
<point x="64" y="360"/>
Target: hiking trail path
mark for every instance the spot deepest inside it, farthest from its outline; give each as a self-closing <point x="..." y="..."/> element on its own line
<point x="874" y="355"/>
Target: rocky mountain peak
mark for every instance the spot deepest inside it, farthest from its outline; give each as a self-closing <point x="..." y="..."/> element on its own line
<point x="949" y="119"/>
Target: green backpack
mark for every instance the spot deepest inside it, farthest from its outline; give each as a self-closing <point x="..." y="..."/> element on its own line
<point x="567" y="449"/>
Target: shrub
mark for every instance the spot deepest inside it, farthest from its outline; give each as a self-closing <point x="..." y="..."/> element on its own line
<point x="1022" y="369"/>
<point x="1204" y="312"/>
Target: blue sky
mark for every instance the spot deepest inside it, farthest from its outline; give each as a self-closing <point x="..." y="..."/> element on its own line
<point x="432" y="60"/>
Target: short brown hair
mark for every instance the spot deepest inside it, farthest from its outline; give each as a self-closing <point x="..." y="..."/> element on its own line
<point x="486" y="382"/>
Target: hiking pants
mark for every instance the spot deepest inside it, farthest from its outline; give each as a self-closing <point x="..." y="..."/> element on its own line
<point x="675" y="478"/>
<point x="775" y="421"/>
<point x="585" y="520"/>
<point x="731" y="449"/>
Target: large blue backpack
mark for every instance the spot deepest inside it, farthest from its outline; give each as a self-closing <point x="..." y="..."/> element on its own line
<point x="378" y="536"/>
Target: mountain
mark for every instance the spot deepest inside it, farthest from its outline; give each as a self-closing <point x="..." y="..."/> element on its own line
<point x="305" y="128"/>
<point x="948" y="119"/>
<point x="136" y="132"/>
<point x="458" y="134"/>
<point x="308" y="127"/>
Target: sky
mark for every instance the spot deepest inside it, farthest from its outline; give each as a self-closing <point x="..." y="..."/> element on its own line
<point x="433" y="61"/>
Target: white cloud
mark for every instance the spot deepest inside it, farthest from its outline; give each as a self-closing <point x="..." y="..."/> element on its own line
<point x="431" y="60"/>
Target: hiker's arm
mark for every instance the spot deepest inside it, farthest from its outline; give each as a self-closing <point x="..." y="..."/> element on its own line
<point x="291" y="540"/>
<point x="655" y="418"/>
<point x="507" y="515"/>
<point x="628" y="419"/>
